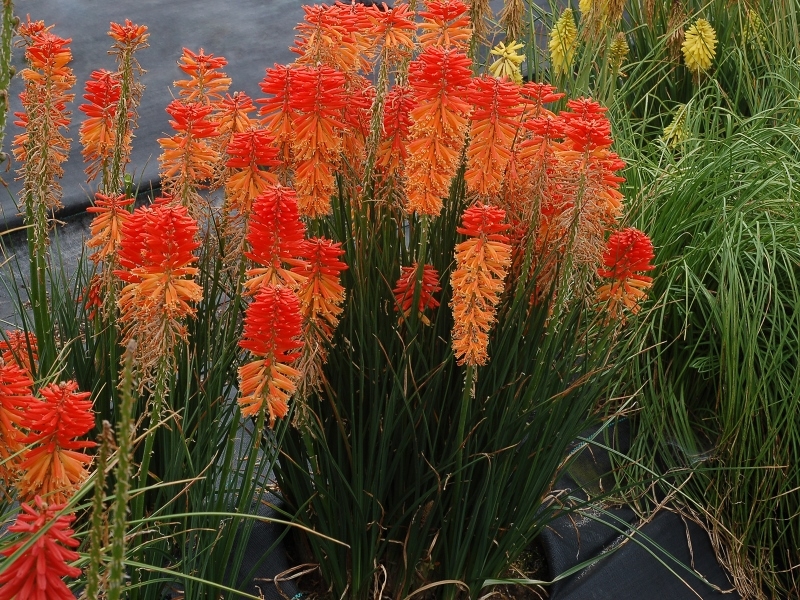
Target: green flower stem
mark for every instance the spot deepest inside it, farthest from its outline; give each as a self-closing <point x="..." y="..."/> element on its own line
<point x="98" y="532"/>
<point x="125" y="433"/>
<point x="159" y="393"/>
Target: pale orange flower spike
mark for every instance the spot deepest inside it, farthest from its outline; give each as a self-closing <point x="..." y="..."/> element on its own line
<point x="110" y="212"/>
<point x="482" y="262"/>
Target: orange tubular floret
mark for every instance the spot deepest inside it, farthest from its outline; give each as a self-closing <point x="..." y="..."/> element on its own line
<point x="15" y="397"/>
<point x="446" y="23"/>
<point x="628" y="253"/>
<point x="482" y="262"/>
<point x="206" y="84"/>
<point x="55" y="467"/>
<point x="272" y="327"/>
<point x="97" y="131"/>
<point x="36" y="574"/>
<point x="275" y="235"/>
<point x="106" y="227"/>
<point x="495" y="120"/>
<point x="321" y="294"/>
<point x="318" y="99"/>
<point x="328" y="37"/>
<point x="440" y="80"/>
<point x="406" y="286"/>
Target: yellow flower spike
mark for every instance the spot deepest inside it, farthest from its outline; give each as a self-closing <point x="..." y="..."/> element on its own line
<point x="618" y="51"/>
<point x="563" y="43"/>
<point x="508" y="62"/>
<point x="699" y="46"/>
<point x="676" y="132"/>
<point x="585" y="6"/>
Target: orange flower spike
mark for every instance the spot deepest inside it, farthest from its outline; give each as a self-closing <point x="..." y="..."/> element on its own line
<point x="54" y="466"/>
<point x="482" y="262"/>
<point x="233" y="114"/>
<point x="275" y="235"/>
<point x="20" y="349"/>
<point x="627" y="254"/>
<point x="440" y="80"/>
<point x="206" y="83"/>
<point x="405" y="288"/>
<point x="129" y="34"/>
<point x="393" y="148"/>
<point x="319" y="98"/>
<point x="272" y="328"/>
<point x="495" y="120"/>
<point x="106" y="227"/>
<point x="446" y="23"/>
<point x="48" y="81"/>
<point x="537" y="95"/>
<point x="393" y="30"/>
<point x="326" y="37"/>
<point x="357" y="118"/>
<point x="37" y="573"/>
<point x="321" y="295"/>
<point x="188" y="159"/>
<point x="277" y="112"/>
<point x="247" y="153"/>
<point x="97" y="132"/>
<point x="15" y="396"/>
<point x="155" y="257"/>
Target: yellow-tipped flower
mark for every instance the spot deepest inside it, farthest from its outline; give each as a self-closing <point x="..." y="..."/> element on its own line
<point x="675" y="132"/>
<point x="563" y="43"/>
<point x="508" y="61"/>
<point x="699" y="46"/>
<point x="585" y="6"/>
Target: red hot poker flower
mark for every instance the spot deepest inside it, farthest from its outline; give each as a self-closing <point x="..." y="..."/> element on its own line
<point x="321" y="294"/>
<point x="15" y="396"/>
<point x="37" y="573"/>
<point x="20" y="348"/>
<point x="247" y="152"/>
<point x="482" y="262"/>
<point x="628" y="253"/>
<point x="272" y="327"/>
<point x="440" y="80"/>
<point x="206" y="83"/>
<point x="97" y="132"/>
<point x="446" y="23"/>
<point x="318" y="99"/>
<point x="129" y="34"/>
<point x="406" y="286"/>
<point x="106" y="227"/>
<point x="275" y="235"/>
<point x="55" y="467"/>
<point x="495" y="120"/>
